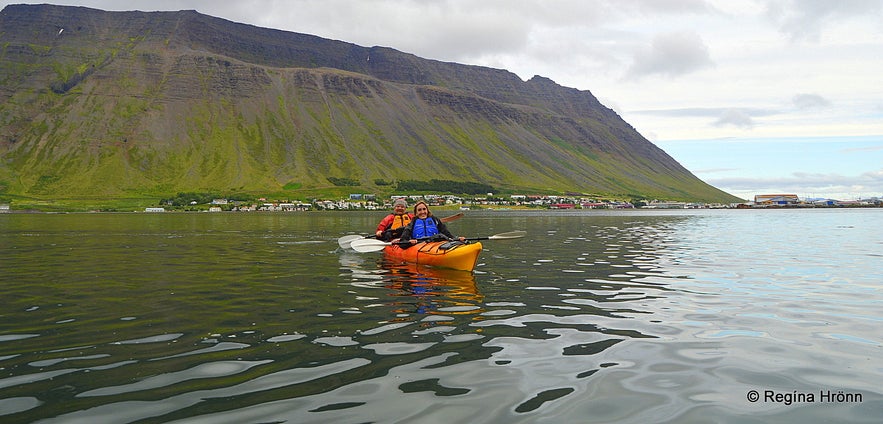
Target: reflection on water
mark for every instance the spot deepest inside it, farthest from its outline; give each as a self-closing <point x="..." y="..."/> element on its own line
<point x="625" y="317"/>
<point x="427" y="290"/>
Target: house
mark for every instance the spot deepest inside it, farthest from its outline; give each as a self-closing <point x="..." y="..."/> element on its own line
<point x="561" y="206"/>
<point x="593" y="205"/>
<point x="776" y="199"/>
<point x="824" y="202"/>
<point x="665" y="205"/>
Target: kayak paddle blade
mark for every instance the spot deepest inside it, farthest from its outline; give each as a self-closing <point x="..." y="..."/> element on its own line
<point x="509" y="235"/>
<point x="368" y="245"/>
<point x="345" y="241"/>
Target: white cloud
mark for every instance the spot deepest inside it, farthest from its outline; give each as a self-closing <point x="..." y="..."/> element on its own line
<point x="841" y="187"/>
<point x="706" y="112"/>
<point x="735" y="117"/>
<point x="863" y="149"/>
<point x="671" y="54"/>
<point x="810" y="101"/>
<point x="715" y="170"/>
<point x="805" y="20"/>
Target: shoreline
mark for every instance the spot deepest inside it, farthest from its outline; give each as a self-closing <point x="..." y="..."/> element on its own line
<point x="446" y="209"/>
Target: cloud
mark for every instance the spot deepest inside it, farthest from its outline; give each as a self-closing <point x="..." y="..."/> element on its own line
<point x="736" y="117"/>
<point x="715" y="170"/>
<point x="445" y="30"/>
<point x="704" y="112"/>
<point x="670" y="6"/>
<point x="671" y="54"/>
<point x="862" y="149"/>
<point x="810" y="101"/>
<point x="804" y="20"/>
<point x="836" y="186"/>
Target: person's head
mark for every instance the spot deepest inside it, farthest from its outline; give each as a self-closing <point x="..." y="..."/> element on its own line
<point x="421" y="210"/>
<point x="399" y="206"/>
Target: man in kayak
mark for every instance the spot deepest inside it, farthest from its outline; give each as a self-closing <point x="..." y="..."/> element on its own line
<point x="391" y="226"/>
<point x="425" y="226"/>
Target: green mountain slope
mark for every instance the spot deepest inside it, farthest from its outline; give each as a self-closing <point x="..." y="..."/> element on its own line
<point x="101" y="104"/>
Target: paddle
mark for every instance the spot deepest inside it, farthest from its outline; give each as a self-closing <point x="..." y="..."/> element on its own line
<point x="453" y="217"/>
<point x="345" y="241"/>
<point x="369" y="245"/>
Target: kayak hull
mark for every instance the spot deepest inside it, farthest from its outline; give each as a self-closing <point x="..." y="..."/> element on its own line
<point x="462" y="256"/>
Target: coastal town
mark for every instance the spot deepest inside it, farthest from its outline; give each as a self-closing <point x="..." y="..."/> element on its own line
<point x="489" y="202"/>
<point x="372" y="202"/>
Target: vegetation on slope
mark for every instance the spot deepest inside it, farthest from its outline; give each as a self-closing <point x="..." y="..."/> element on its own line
<point x="140" y="105"/>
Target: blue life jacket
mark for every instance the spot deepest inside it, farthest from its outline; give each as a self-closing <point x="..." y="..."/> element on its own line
<point x="424" y="228"/>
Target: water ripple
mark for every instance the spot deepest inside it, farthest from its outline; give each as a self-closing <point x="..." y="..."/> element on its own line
<point x="662" y="317"/>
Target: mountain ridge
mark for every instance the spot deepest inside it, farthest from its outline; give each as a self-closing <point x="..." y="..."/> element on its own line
<point x="102" y="103"/>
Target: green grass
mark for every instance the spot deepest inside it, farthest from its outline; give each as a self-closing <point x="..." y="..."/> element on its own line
<point x="124" y="142"/>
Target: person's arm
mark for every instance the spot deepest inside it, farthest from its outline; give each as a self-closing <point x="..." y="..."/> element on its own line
<point x="443" y="229"/>
<point x="406" y="233"/>
<point x="381" y="227"/>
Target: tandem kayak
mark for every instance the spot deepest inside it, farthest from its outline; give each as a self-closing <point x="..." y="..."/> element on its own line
<point x="445" y="254"/>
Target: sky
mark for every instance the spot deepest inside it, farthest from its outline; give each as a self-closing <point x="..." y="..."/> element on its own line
<point x="752" y="96"/>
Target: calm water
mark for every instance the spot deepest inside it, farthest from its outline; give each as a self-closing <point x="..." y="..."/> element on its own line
<point x="635" y="317"/>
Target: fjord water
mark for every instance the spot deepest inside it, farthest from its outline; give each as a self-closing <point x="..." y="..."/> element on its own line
<point x="642" y="316"/>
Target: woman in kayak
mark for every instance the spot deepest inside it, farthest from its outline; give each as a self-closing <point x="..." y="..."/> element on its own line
<point x="425" y="226"/>
<point x="391" y="226"/>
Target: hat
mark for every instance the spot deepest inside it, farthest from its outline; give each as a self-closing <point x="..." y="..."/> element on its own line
<point x="400" y="202"/>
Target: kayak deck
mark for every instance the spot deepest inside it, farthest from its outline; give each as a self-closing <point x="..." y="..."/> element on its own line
<point x="462" y="256"/>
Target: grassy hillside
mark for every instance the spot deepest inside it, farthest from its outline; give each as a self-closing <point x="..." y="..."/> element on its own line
<point x="133" y="105"/>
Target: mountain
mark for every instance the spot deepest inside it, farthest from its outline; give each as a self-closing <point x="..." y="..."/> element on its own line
<point x="99" y="104"/>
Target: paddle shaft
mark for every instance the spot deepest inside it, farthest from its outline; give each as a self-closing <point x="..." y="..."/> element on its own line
<point x="365" y="245"/>
<point x="346" y="241"/>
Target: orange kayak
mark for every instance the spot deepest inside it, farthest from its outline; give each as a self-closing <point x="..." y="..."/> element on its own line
<point x="462" y="256"/>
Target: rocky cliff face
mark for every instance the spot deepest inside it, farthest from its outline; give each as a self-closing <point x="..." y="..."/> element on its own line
<point x="104" y="103"/>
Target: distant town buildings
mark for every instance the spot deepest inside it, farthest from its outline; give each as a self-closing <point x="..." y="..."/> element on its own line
<point x="358" y="201"/>
<point x="792" y="200"/>
<point x="491" y="201"/>
<point x="776" y="200"/>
